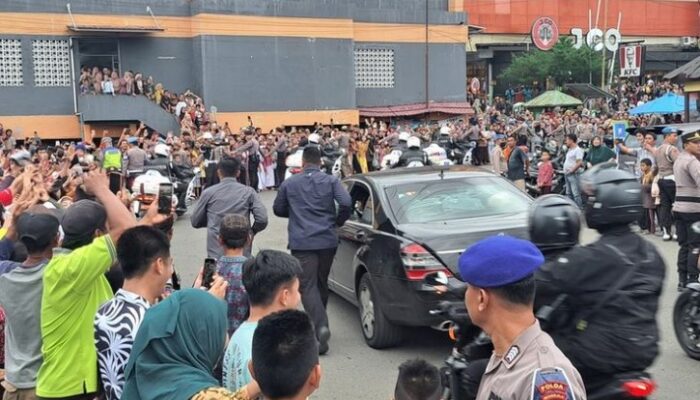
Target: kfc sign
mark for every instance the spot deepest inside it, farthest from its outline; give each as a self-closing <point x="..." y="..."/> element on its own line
<point x="630" y="60"/>
<point x="596" y="39"/>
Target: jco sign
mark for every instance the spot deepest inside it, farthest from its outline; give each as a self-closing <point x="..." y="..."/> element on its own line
<point x="596" y="39"/>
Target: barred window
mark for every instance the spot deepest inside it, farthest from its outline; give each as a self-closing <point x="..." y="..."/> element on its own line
<point x="11" y="62"/>
<point x="374" y="68"/>
<point x="51" y="63"/>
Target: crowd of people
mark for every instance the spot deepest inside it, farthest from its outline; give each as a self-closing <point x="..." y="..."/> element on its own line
<point x="83" y="283"/>
<point x="109" y="81"/>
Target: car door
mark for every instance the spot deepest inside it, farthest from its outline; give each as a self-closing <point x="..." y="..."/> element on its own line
<point x="352" y="236"/>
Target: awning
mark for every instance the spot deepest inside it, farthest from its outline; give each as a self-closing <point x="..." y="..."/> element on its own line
<point x="115" y="28"/>
<point x="461" y="108"/>
<point x="588" y="91"/>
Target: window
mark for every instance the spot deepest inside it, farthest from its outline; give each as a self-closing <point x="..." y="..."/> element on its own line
<point x="374" y="68"/>
<point x="454" y="199"/>
<point x="11" y="62"/>
<point x="51" y="63"/>
<point x="362" y="205"/>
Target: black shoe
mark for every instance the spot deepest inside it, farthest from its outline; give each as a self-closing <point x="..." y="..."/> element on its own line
<point x="324" y="335"/>
<point x="682" y="281"/>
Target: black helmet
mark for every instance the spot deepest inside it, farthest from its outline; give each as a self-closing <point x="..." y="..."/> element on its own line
<point x="554" y="222"/>
<point x="614" y="196"/>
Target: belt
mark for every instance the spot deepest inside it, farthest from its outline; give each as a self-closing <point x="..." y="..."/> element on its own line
<point x="688" y="199"/>
<point x="668" y="178"/>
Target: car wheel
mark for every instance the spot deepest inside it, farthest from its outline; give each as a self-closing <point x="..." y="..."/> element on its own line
<point x="378" y="331"/>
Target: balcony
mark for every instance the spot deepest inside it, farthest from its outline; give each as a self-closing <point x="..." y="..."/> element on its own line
<point x="123" y="108"/>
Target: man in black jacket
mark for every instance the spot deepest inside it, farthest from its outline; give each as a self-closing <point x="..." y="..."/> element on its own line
<point x="612" y="285"/>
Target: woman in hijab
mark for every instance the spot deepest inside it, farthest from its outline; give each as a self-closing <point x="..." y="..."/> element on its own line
<point x="599" y="153"/>
<point x="176" y="349"/>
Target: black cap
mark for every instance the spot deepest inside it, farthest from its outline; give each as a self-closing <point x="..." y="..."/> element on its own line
<point x="83" y="218"/>
<point x="41" y="228"/>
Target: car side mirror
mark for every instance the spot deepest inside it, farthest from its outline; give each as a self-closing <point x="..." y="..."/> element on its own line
<point x="438" y="278"/>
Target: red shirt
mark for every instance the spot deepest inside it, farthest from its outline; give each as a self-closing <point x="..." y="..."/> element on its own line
<point x="545" y="174"/>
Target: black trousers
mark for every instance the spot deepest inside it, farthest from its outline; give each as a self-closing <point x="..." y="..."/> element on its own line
<point x="253" y="174"/>
<point x="689" y="243"/>
<point x="316" y="266"/>
<point x="281" y="169"/>
<point x="667" y="191"/>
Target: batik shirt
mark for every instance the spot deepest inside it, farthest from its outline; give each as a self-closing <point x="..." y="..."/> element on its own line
<point x="231" y="270"/>
<point x="116" y="324"/>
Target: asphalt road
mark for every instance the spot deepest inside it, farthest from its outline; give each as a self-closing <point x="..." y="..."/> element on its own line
<point x="352" y="370"/>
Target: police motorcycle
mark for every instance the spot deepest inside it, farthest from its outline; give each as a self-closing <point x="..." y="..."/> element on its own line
<point x="331" y="158"/>
<point x="146" y="183"/>
<point x="392" y="159"/>
<point x="686" y="316"/>
<point x="554" y="227"/>
<point x="414" y="156"/>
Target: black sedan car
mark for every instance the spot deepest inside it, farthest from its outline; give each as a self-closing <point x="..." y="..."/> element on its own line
<point x="407" y="223"/>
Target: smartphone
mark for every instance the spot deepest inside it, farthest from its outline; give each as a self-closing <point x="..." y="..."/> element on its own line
<point x="209" y="271"/>
<point x="165" y="198"/>
<point x="115" y="182"/>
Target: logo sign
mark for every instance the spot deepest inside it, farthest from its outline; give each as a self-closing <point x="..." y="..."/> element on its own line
<point x="474" y="85"/>
<point x="545" y="33"/>
<point x="619" y="130"/>
<point x="596" y="39"/>
<point x="630" y="60"/>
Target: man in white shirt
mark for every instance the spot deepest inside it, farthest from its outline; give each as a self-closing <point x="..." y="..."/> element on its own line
<point x="573" y="166"/>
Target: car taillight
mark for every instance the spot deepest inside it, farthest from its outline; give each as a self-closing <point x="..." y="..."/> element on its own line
<point x="639" y="389"/>
<point x="418" y="262"/>
<point x="295" y="170"/>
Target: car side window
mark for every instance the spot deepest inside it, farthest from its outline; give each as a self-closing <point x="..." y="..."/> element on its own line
<point x="362" y="206"/>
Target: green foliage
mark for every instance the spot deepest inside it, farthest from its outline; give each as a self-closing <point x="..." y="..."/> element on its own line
<point x="562" y="63"/>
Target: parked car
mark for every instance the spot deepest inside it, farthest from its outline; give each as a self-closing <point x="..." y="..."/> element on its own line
<point x="407" y="223"/>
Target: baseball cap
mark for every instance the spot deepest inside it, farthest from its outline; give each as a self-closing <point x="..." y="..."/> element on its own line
<point x="41" y="228"/>
<point x="499" y="261"/>
<point x="83" y="218"/>
<point x="22" y="158"/>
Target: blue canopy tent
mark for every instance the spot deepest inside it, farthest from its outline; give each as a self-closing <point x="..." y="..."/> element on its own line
<point x="670" y="103"/>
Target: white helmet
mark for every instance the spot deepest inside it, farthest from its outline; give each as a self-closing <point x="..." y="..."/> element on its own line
<point x="162" y="150"/>
<point x="413" y="142"/>
<point x="404" y="136"/>
<point x="445" y="130"/>
<point x="314" y="138"/>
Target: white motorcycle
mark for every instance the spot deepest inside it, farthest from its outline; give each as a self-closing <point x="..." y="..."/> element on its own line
<point x="145" y="189"/>
<point x="294" y="162"/>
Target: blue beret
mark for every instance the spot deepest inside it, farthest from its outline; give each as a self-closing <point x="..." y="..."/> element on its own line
<point x="499" y="261"/>
<point x="669" y="130"/>
<point x="132" y="139"/>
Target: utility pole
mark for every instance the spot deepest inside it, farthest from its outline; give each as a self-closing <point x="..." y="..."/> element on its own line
<point x="427" y="61"/>
<point x="602" y="64"/>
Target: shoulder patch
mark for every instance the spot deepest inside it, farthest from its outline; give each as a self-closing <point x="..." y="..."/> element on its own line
<point x="551" y="384"/>
<point x="512" y="354"/>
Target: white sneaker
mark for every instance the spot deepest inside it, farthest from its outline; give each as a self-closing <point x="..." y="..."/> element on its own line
<point x="675" y="237"/>
<point x="666" y="236"/>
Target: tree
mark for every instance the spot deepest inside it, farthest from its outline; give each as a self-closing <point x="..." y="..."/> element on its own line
<point x="563" y="64"/>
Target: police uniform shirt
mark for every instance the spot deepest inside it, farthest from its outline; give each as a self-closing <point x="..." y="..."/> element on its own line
<point x="532" y="368"/>
<point x="686" y="170"/>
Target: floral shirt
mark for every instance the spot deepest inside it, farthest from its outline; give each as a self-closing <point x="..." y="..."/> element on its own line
<point x="116" y="324"/>
<point x="231" y="269"/>
<point x="220" y="394"/>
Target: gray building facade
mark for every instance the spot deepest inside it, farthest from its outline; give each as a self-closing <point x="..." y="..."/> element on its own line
<point x="289" y="62"/>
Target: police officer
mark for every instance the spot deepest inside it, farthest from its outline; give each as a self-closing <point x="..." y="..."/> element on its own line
<point x="664" y="158"/>
<point x="499" y="299"/>
<point x="413" y="155"/>
<point x="686" y="208"/>
<point x="613" y="285"/>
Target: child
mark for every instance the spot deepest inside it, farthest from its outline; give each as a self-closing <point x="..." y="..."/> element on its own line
<point x="545" y="174"/>
<point x="418" y="380"/>
<point x="647" y="179"/>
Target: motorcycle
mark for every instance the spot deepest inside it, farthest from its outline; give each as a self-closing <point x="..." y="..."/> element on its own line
<point x="331" y="163"/>
<point x="686" y="316"/>
<point x="463" y="152"/>
<point x="472" y="345"/>
<point x="145" y="188"/>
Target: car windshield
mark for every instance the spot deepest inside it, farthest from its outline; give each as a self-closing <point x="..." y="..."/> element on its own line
<point x="452" y="199"/>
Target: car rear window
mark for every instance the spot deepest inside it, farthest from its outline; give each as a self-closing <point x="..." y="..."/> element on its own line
<point x="453" y="199"/>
